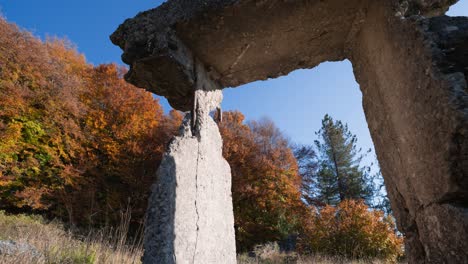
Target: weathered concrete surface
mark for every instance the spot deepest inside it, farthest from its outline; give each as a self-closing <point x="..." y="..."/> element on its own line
<point x="190" y="214"/>
<point x="242" y="40"/>
<point x="412" y="71"/>
<point x="413" y="75"/>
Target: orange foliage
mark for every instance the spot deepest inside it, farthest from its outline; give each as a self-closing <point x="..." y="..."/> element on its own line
<point x="76" y="140"/>
<point x="39" y="117"/>
<point x="121" y="146"/>
<point x="265" y="181"/>
<point x="351" y="230"/>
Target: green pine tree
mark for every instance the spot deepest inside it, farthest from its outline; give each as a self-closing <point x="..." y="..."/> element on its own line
<point x="339" y="175"/>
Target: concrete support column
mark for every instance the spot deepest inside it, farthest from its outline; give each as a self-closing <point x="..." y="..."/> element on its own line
<point x="413" y="76"/>
<point x="190" y="214"/>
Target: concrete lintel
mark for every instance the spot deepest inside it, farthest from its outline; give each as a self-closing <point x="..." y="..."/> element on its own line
<point x="242" y="40"/>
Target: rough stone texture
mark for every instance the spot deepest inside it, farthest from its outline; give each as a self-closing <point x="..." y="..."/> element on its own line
<point x="10" y="247"/>
<point x="241" y="40"/>
<point x="412" y="71"/>
<point x="228" y="43"/>
<point x="158" y="60"/>
<point x="190" y="214"/>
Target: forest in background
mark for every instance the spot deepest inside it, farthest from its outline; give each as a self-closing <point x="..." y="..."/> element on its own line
<point x="80" y="144"/>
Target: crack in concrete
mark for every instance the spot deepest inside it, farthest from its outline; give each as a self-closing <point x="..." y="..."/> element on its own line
<point x="196" y="206"/>
<point x="239" y="57"/>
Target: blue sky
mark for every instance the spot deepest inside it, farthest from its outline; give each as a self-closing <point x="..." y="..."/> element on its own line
<point x="296" y="103"/>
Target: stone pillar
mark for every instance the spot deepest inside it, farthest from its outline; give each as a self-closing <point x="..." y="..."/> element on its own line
<point x="413" y="76"/>
<point x="190" y="215"/>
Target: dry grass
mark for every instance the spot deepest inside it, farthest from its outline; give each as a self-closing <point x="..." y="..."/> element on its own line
<point x="56" y="245"/>
<point x="297" y="259"/>
<point x="270" y="254"/>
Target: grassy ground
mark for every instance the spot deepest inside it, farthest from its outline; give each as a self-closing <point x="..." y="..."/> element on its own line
<point x="244" y="259"/>
<point x="56" y="245"/>
<point x="270" y="254"/>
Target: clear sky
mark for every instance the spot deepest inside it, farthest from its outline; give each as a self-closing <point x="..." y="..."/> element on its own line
<point x="296" y="103"/>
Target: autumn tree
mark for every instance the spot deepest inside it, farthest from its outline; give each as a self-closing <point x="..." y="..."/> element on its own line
<point x="265" y="180"/>
<point x="77" y="141"/>
<point x="122" y="151"/>
<point x="39" y="118"/>
<point x="352" y="230"/>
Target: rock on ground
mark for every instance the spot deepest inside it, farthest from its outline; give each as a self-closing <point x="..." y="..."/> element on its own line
<point x="10" y="247"/>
